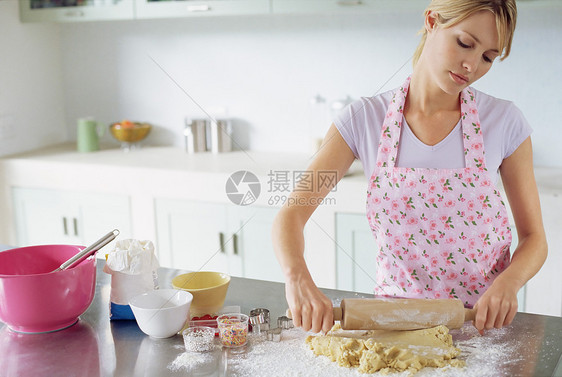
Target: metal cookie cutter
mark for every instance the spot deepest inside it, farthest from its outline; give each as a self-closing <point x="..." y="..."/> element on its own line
<point x="274" y="334"/>
<point x="284" y="323"/>
<point x="259" y="318"/>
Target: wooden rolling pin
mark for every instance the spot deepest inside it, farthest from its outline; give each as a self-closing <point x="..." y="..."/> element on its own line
<point x="400" y="314"/>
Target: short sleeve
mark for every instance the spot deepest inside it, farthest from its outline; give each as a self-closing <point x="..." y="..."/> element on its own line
<point x="516" y="130"/>
<point x="360" y="126"/>
<point x="348" y="127"/>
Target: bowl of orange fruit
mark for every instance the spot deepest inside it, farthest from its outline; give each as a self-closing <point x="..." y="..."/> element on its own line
<point x="129" y="133"/>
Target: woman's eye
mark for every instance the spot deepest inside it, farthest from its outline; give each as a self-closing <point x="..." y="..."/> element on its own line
<point x="462" y="44"/>
<point x="487" y="59"/>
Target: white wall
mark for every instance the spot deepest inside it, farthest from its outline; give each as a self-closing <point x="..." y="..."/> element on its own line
<point x="266" y="68"/>
<point x="32" y="111"/>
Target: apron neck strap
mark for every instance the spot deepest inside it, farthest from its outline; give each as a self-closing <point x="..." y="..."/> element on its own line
<point x="393" y="121"/>
<point x="472" y="137"/>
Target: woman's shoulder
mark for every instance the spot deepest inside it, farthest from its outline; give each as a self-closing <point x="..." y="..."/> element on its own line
<point x="500" y="114"/>
<point x="504" y="126"/>
<point x="372" y="106"/>
<point x="487" y="103"/>
<point x="378" y="99"/>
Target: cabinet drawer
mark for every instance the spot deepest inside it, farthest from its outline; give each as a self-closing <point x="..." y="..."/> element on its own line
<point x="189" y="8"/>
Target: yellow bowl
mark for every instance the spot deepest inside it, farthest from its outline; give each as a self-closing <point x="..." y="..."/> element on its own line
<point x="129" y="132"/>
<point x="208" y="289"/>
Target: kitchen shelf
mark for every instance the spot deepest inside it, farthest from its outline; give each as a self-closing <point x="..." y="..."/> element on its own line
<point x="98" y="10"/>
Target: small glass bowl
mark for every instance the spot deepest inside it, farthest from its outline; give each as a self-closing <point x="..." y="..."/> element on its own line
<point x="199" y="339"/>
<point x="233" y="329"/>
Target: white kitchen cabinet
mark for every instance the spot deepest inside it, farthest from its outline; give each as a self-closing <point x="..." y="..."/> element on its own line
<point x="193" y="8"/>
<point x="236" y="240"/>
<point x="191" y="235"/>
<point x="344" y="6"/>
<point x="84" y="10"/>
<point x="45" y="216"/>
<point x="356" y="251"/>
<point x="251" y="227"/>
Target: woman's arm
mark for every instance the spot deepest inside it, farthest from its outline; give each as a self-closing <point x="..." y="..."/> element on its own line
<point x="310" y="308"/>
<point x="498" y="305"/>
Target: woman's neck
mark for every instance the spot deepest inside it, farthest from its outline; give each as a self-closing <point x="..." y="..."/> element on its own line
<point x="426" y="97"/>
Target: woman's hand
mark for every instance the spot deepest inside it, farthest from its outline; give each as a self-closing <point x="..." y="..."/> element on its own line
<point x="310" y="308"/>
<point x="497" y="306"/>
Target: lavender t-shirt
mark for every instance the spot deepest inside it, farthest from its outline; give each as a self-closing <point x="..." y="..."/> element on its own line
<point x="503" y="126"/>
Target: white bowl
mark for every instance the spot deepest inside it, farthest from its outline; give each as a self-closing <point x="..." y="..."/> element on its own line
<point x="161" y="313"/>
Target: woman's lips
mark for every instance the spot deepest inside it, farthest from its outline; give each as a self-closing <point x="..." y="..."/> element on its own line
<point x="459" y="79"/>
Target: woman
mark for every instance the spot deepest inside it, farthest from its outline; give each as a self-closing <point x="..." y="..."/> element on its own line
<point x="432" y="149"/>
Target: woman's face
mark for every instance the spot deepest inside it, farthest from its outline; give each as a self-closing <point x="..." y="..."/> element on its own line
<point x="459" y="55"/>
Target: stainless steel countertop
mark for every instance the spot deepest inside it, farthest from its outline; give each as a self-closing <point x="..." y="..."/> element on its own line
<point x="96" y="346"/>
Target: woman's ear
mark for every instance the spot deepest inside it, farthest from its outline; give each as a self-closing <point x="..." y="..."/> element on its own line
<point x="431" y="20"/>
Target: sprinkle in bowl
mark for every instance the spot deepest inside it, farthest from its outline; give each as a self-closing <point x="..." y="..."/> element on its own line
<point x="199" y="339"/>
<point x="233" y="329"/>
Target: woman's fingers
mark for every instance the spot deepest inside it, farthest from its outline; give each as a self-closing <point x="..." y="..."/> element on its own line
<point x="328" y="321"/>
<point x="510" y="315"/>
<point x="323" y="316"/>
<point x="494" y="310"/>
<point x="296" y="315"/>
<point x="317" y="316"/>
<point x="310" y="308"/>
<point x="317" y="319"/>
<point x="481" y="317"/>
<point x="492" y="313"/>
<point x="306" y="318"/>
<point x="503" y="310"/>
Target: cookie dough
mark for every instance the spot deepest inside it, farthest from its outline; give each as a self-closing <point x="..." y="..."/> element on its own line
<point x="387" y="351"/>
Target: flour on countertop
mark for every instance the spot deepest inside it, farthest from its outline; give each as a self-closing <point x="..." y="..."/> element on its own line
<point x="192" y="361"/>
<point x="484" y="356"/>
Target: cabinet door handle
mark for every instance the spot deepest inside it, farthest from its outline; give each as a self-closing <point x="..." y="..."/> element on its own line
<point x="221" y="241"/>
<point x="75" y="223"/>
<point x="235" y="243"/>
<point x="65" y="226"/>
<point x="198" y="8"/>
<point x="347" y="3"/>
<point x="74" y="13"/>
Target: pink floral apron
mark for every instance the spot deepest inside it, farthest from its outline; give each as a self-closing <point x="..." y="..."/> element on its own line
<point x="441" y="233"/>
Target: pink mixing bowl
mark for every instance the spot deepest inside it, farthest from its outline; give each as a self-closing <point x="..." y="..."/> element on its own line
<point x="33" y="299"/>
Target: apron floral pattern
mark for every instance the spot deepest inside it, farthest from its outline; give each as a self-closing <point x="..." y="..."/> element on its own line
<point x="441" y="233"/>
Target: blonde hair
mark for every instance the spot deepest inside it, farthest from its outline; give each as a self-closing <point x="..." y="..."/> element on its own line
<point x="451" y="12"/>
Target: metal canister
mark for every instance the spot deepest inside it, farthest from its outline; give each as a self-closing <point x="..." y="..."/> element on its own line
<point x="220" y="135"/>
<point x="195" y="133"/>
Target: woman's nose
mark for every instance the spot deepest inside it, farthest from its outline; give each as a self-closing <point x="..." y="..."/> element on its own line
<point x="470" y="63"/>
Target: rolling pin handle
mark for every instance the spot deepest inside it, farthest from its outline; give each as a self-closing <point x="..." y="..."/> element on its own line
<point x="338" y="314"/>
<point x="288" y="314"/>
<point x="469" y="314"/>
